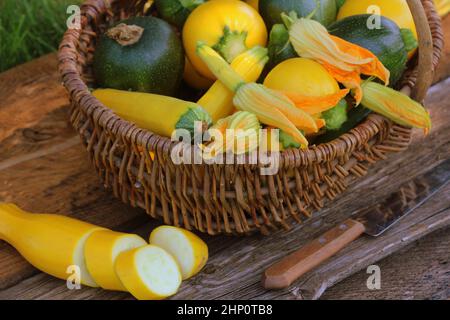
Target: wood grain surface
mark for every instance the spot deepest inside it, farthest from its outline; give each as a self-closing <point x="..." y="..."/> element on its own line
<point x="44" y="168"/>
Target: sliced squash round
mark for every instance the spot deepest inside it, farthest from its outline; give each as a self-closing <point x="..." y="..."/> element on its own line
<point x="101" y="251"/>
<point x="148" y="273"/>
<point x="188" y="249"/>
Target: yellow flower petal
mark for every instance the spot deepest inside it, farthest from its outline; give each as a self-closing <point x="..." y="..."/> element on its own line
<point x="344" y="60"/>
<point x="395" y="105"/>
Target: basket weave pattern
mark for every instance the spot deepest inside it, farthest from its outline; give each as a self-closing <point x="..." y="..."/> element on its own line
<point x="235" y="199"/>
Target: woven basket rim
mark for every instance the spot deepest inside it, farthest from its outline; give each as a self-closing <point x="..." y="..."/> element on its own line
<point x="130" y="133"/>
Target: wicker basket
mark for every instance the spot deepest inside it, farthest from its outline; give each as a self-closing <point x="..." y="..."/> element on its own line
<point x="232" y="199"/>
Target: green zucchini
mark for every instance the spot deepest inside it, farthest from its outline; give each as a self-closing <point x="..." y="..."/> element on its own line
<point x="271" y="10"/>
<point x="176" y="12"/>
<point x="386" y="42"/>
<point x="140" y="54"/>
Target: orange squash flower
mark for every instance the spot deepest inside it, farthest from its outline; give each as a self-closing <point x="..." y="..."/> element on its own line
<point x="315" y="105"/>
<point x="345" y="61"/>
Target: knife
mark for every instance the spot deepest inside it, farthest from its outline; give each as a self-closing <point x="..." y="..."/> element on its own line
<point x="373" y="221"/>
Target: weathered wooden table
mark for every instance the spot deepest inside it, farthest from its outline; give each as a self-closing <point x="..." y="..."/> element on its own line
<point x="44" y="168"/>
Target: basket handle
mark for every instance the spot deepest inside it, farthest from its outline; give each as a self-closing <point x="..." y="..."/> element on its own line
<point x="425" y="64"/>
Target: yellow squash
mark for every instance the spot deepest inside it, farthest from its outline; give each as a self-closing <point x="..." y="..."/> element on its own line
<point x="345" y="61"/>
<point x="307" y="83"/>
<point x="54" y="244"/>
<point x="190" y="252"/>
<point x="218" y="100"/>
<point x="148" y="273"/>
<point x="303" y="76"/>
<point x="230" y="26"/>
<point x="159" y="114"/>
<point x="396" y="10"/>
<point x="101" y="251"/>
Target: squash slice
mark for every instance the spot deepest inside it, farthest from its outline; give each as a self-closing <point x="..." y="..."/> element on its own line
<point x="101" y="251"/>
<point x="188" y="249"/>
<point x="148" y="273"/>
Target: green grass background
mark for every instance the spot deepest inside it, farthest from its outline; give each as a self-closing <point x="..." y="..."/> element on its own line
<point x="30" y="29"/>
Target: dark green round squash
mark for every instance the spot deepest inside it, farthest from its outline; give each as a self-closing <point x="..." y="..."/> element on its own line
<point x="140" y="54"/>
<point x="271" y="10"/>
<point x="386" y="42"/>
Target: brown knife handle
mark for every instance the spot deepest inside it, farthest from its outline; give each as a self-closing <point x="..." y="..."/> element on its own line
<point x="283" y="273"/>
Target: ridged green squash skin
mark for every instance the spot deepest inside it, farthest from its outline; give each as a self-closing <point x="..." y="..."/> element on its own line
<point x="386" y="43"/>
<point x="154" y="64"/>
<point x="271" y="10"/>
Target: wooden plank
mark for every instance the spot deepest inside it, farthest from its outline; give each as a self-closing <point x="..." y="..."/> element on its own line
<point x="423" y="276"/>
<point x="29" y="92"/>
<point x="367" y="251"/>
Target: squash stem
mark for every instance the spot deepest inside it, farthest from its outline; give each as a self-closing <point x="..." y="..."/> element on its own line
<point x="290" y="19"/>
<point x="231" y="44"/>
<point x="125" y="35"/>
<point x="219" y="67"/>
<point x="194" y="115"/>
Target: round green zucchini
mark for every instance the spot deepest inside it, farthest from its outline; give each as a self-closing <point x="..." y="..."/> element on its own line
<point x="140" y="54"/>
<point x="387" y="42"/>
<point x="271" y="10"/>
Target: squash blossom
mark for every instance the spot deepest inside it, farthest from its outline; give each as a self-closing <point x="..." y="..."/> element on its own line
<point x="344" y="60"/>
<point x="272" y="108"/>
<point x="238" y="133"/>
<point x="314" y="105"/>
<point x="395" y="105"/>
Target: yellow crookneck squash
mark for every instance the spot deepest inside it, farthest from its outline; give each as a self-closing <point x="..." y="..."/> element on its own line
<point x="218" y="100"/>
<point x="231" y="27"/>
<point x="52" y="243"/>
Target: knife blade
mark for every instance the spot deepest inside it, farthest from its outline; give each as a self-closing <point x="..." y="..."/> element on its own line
<point x="411" y="195"/>
<point x="373" y="221"/>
